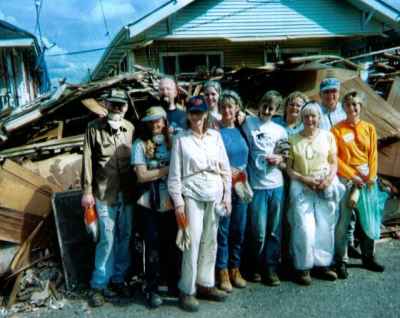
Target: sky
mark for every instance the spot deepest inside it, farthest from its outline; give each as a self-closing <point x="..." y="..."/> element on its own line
<point x="74" y="25"/>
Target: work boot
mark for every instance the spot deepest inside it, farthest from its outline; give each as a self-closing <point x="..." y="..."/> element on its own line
<point x="223" y="280"/>
<point x="122" y="289"/>
<point x="324" y="273"/>
<point x="341" y="270"/>
<point x="188" y="302"/>
<point x="236" y="278"/>
<point x="153" y="300"/>
<point x="211" y="293"/>
<point x="271" y="278"/>
<point x="303" y="278"/>
<point x="371" y="264"/>
<point x="96" y="298"/>
<point x="256" y="278"/>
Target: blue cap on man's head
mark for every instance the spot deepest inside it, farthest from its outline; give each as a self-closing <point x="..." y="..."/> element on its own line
<point x="329" y="83"/>
<point x="197" y="104"/>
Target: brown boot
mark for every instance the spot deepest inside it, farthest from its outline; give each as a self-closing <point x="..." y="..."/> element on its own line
<point x="211" y="293"/>
<point x="236" y="278"/>
<point x="188" y="302"/>
<point x="223" y="280"/>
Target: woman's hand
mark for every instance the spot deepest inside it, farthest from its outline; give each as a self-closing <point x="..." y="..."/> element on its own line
<point x="358" y="181"/>
<point x="325" y="183"/>
<point x="228" y="206"/>
<point x="311" y="182"/>
<point x="274" y="159"/>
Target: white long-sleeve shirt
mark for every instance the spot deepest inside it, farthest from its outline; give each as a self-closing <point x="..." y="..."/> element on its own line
<point x="199" y="167"/>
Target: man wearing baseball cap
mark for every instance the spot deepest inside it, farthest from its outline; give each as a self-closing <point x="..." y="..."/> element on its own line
<point x="331" y="109"/>
<point x="106" y="181"/>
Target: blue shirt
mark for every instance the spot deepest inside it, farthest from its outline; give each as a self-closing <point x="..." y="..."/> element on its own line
<point x="236" y="147"/>
<point x="177" y="120"/>
<point x="280" y="120"/>
<point x="331" y="118"/>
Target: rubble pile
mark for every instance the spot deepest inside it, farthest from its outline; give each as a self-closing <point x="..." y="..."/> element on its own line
<point x="41" y="153"/>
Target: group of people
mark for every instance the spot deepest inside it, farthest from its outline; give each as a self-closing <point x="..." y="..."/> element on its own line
<point x="211" y="180"/>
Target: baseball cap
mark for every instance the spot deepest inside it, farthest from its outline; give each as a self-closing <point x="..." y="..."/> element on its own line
<point x="154" y="113"/>
<point x="117" y="96"/>
<point x="197" y="104"/>
<point x="329" y="83"/>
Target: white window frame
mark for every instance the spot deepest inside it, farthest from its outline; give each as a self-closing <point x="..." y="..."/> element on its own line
<point x="294" y="50"/>
<point x="177" y="54"/>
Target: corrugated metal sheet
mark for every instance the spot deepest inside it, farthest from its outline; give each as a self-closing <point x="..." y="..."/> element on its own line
<point x="261" y="18"/>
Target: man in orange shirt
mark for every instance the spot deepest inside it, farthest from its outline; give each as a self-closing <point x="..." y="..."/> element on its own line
<point x="357" y="166"/>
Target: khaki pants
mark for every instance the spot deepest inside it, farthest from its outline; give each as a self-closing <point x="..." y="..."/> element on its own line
<point x="198" y="262"/>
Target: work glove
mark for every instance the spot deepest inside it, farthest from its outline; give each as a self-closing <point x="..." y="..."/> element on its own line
<point x="183" y="237"/>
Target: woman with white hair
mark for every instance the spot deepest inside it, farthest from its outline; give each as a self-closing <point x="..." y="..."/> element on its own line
<point x="314" y="195"/>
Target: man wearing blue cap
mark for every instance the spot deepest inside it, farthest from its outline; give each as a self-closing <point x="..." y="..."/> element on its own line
<point x="331" y="109"/>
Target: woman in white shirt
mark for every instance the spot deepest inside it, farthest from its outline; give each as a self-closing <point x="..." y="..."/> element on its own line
<point x="199" y="183"/>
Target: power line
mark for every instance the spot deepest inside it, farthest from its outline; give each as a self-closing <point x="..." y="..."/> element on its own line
<point x="104" y="19"/>
<point x="78" y="52"/>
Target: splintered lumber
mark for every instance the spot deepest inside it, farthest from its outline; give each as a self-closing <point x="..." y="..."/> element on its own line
<point x="63" y="170"/>
<point x="25" y="191"/>
<point x="376" y="111"/>
<point x="15" y="226"/>
<point x="51" y="145"/>
<point x="394" y="94"/>
<point x="95" y="107"/>
<point x="389" y="160"/>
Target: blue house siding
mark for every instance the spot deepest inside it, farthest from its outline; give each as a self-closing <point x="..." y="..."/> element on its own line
<point x="265" y="19"/>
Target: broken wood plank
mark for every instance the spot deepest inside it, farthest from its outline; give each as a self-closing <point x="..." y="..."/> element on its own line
<point x="394" y="94"/>
<point x="95" y="107"/>
<point x="376" y="111"/>
<point x="25" y="191"/>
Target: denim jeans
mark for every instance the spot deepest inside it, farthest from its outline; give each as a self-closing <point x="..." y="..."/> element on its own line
<point x="163" y="258"/>
<point x="266" y="227"/>
<point x="341" y="232"/>
<point x="231" y="232"/>
<point x="112" y="258"/>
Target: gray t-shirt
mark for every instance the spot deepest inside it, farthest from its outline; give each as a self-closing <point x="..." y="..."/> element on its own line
<point x="263" y="137"/>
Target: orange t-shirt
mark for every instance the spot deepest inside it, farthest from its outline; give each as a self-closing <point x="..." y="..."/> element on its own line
<point x="357" y="147"/>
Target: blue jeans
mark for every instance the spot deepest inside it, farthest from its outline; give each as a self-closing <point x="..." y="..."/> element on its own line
<point x="231" y="232"/>
<point x="112" y="258"/>
<point x="266" y="227"/>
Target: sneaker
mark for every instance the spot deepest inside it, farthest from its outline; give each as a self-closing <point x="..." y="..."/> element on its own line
<point x="271" y="278"/>
<point x="224" y="281"/>
<point x="96" y="298"/>
<point x="153" y="300"/>
<point x="303" y="278"/>
<point x="353" y="252"/>
<point x="188" y="302"/>
<point x="325" y="273"/>
<point x="341" y="270"/>
<point x="211" y="293"/>
<point x="236" y="278"/>
<point x="372" y="265"/>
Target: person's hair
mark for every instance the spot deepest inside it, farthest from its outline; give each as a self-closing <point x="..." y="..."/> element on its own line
<point x="290" y="98"/>
<point x="231" y="97"/>
<point x="271" y="98"/>
<point x="312" y="107"/>
<point x="213" y="84"/>
<point x="354" y="97"/>
<point x="147" y="134"/>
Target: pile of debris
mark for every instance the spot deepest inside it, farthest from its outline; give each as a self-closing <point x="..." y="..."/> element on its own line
<point x="41" y="155"/>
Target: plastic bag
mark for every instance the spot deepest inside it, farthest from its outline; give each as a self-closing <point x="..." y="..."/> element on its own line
<point x="91" y="223"/>
<point x="370" y="207"/>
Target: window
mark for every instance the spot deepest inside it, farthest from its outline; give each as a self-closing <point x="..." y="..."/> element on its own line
<point x="123" y="65"/>
<point x="274" y="55"/>
<point x="177" y="63"/>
